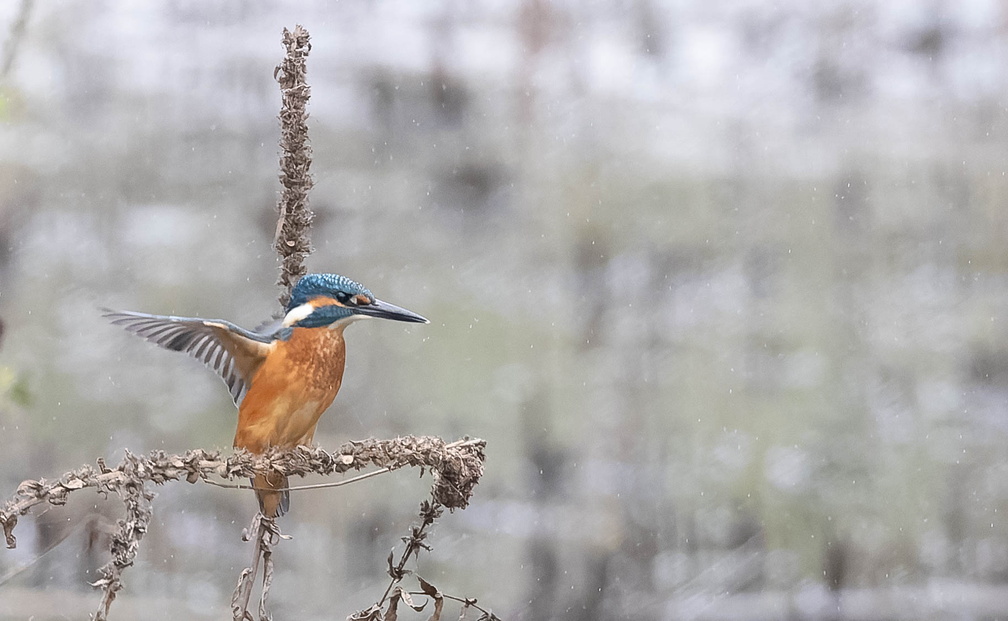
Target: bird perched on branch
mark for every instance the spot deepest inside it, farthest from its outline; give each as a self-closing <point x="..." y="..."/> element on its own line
<point x="282" y="375"/>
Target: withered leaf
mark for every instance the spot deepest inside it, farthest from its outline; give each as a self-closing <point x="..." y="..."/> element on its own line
<point x="392" y="613"/>
<point x="406" y="597"/>
<point x="370" y="614"/>
<point x="428" y="588"/>
<point x="8" y="528"/>
<point x="432" y="591"/>
<point x="73" y="484"/>
<point x="30" y="487"/>
<point x="438" y="605"/>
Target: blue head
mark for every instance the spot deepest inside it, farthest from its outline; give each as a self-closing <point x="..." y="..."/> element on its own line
<point x="320" y="300"/>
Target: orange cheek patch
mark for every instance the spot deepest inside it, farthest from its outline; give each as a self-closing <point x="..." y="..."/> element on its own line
<point x="323" y="301"/>
<point x="361" y="300"/>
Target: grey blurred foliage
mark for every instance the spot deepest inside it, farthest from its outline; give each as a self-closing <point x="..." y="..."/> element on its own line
<point x="720" y="284"/>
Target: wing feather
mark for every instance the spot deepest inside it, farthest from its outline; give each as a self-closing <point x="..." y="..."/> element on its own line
<point x="198" y="349"/>
<point x="233" y="352"/>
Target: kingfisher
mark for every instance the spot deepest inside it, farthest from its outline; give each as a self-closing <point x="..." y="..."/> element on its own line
<point x="282" y="375"/>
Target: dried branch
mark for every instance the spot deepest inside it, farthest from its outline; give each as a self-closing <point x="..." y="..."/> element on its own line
<point x="414" y="543"/>
<point x="399" y="594"/>
<point x="292" y="241"/>
<point x="456" y="468"/>
<point x="267" y="533"/>
<point x="394" y="593"/>
<point x="131" y="529"/>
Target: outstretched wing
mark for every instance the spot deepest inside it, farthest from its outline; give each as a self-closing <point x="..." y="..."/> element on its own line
<point x="231" y="351"/>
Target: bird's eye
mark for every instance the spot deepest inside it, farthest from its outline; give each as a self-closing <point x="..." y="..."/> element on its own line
<point x="342" y="297"/>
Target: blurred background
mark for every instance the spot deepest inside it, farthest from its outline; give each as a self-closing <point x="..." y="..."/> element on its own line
<point x="723" y="286"/>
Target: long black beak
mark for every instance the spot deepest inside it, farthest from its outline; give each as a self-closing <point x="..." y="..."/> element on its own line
<point x="384" y="310"/>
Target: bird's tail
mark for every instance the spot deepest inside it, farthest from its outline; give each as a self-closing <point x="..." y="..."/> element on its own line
<point x="272" y="503"/>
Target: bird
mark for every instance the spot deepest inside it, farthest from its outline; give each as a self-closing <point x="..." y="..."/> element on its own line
<point x="282" y="375"/>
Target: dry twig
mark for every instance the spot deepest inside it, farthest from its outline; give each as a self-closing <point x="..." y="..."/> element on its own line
<point x="267" y="533"/>
<point x="292" y="244"/>
<point x="130" y="530"/>
<point x="395" y="593"/>
<point x="456" y="469"/>
<point x="292" y="241"/>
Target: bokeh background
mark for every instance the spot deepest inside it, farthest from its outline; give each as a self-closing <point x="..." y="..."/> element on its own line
<point x="723" y="286"/>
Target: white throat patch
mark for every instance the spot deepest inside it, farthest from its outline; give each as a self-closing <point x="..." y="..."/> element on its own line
<point x="296" y="314"/>
<point x="341" y="323"/>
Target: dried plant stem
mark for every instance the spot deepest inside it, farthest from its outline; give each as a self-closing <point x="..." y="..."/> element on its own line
<point x="395" y="593"/>
<point x="359" y="477"/>
<point x="456" y="469"/>
<point x="243" y="590"/>
<point x="429" y="511"/>
<point x="292" y="242"/>
<point x="266" y="548"/>
<point x="131" y="529"/>
<point x="266" y="533"/>
<point x="467" y="602"/>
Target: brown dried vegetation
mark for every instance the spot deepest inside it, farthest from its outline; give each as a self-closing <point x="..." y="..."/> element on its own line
<point x="456" y="470"/>
<point x="292" y="242"/>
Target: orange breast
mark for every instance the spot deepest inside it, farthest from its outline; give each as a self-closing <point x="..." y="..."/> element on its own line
<point x="296" y="383"/>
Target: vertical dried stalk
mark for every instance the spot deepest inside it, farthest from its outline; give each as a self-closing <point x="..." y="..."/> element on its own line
<point x="292" y="244"/>
<point x="132" y="528"/>
<point x="292" y="241"/>
<point x="266" y="533"/>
